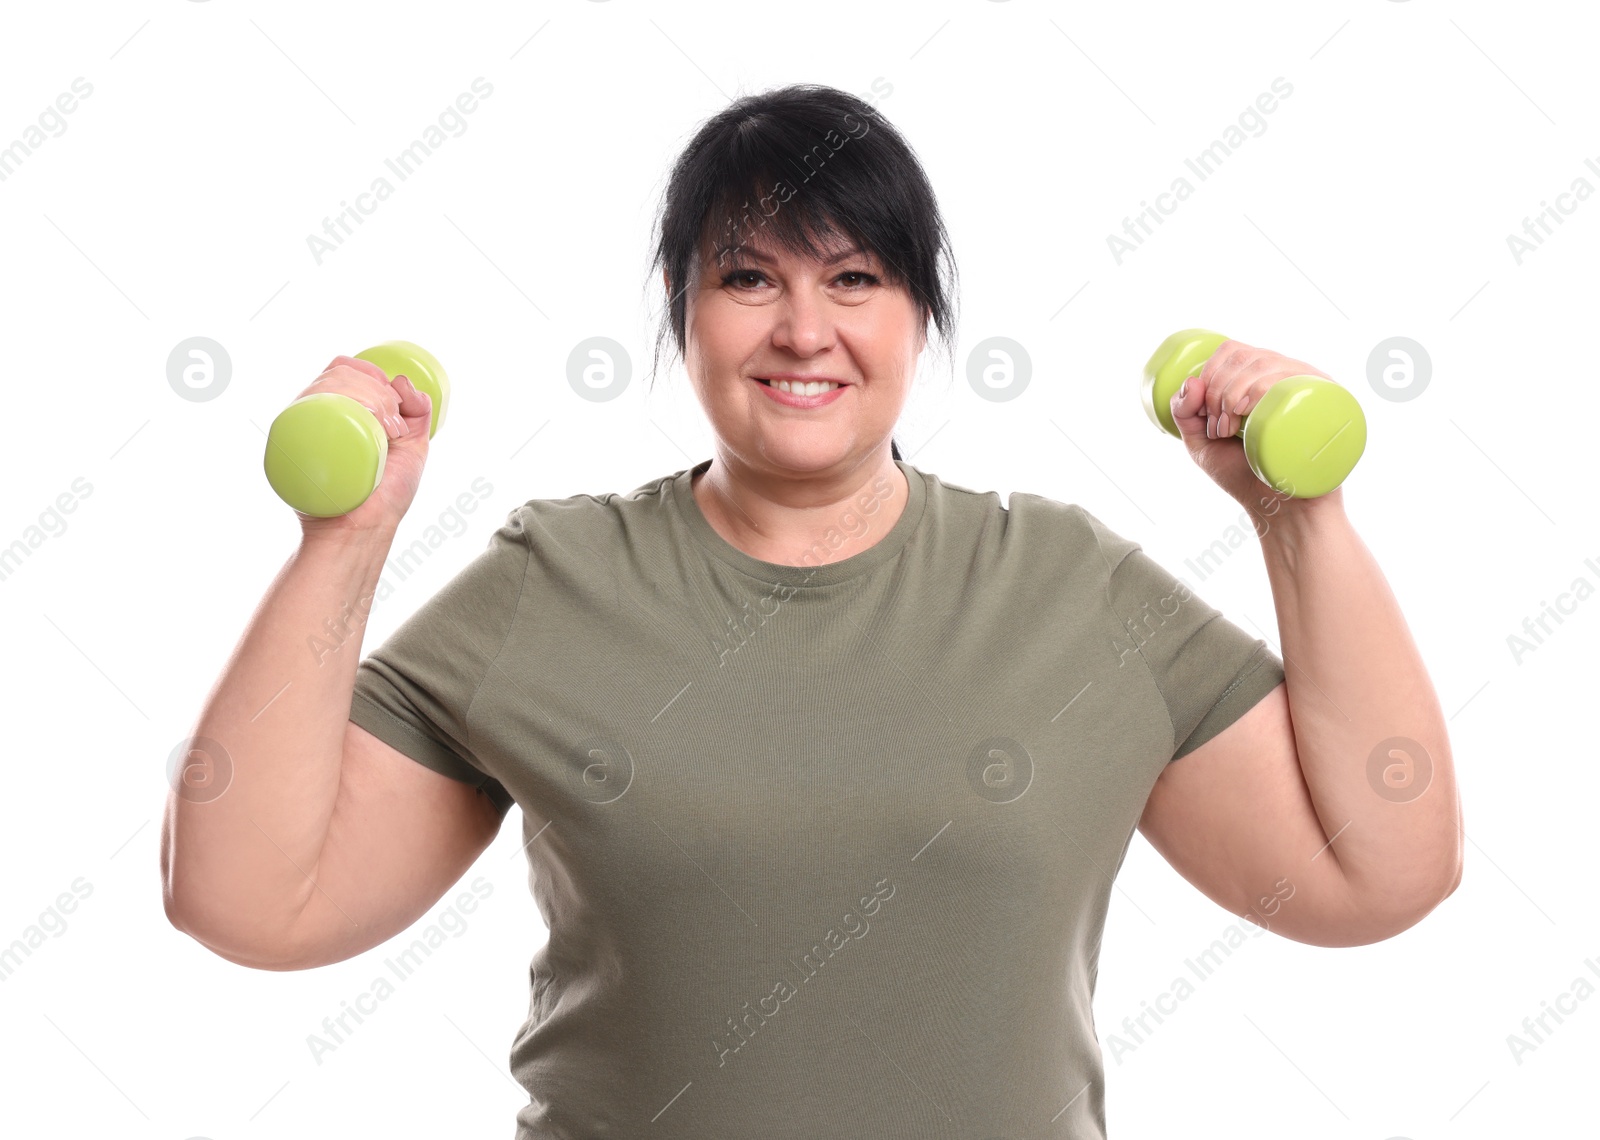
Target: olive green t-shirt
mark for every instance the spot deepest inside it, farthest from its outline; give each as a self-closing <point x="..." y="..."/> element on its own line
<point x="823" y="849"/>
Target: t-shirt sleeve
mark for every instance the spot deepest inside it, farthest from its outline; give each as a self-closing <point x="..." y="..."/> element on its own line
<point x="1209" y="671"/>
<point x="414" y="690"/>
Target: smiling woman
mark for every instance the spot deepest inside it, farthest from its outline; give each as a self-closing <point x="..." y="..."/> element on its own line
<point x="802" y="255"/>
<point x="729" y="700"/>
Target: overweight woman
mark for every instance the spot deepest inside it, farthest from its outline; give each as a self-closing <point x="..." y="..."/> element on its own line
<point x="825" y="765"/>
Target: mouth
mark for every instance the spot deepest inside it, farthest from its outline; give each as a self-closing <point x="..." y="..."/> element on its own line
<point x="829" y="382"/>
<point x="812" y="395"/>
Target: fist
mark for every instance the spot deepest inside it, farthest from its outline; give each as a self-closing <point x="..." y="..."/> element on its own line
<point x="1210" y="405"/>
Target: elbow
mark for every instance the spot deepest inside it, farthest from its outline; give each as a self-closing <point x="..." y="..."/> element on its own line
<point x="1390" y="916"/>
<point x="233" y="946"/>
<point x="247" y="957"/>
<point x="209" y="926"/>
<point x="1353" y="918"/>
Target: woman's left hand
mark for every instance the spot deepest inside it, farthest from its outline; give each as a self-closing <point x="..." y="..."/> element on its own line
<point x="1209" y="406"/>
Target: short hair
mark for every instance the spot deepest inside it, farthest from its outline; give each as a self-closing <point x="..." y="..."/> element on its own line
<point x="849" y="174"/>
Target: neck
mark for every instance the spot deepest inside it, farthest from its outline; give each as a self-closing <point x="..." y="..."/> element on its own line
<point x="796" y="522"/>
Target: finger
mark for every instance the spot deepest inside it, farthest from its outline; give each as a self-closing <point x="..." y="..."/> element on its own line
<point x="366" y="366"/>
<point x="1253" y="374"/>
<point x="414" y="402"/>
<point x="378" y="396"/>
<point x="1231" y="368"/>
<point x="1238" y="396"/>
<point x="1244" y="391"/>
<point x="1242" y="395"/>
<point x="1217" y="373"/>
<point x="1221" y="424"/>
<point x="1222" y="364"/>
<point x="1245" y="396"/>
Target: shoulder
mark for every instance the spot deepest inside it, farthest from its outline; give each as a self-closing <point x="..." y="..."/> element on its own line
<point x="1066" y="534"/>
<point x="589" y="551"/>
<point x="587" y="516"/>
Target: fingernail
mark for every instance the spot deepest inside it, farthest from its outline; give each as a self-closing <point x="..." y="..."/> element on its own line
<point x="1211" y="427"/>
<point x="1183" y="389"/>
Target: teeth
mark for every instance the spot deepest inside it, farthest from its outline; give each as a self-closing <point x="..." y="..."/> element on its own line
<point x="816" y="388"/>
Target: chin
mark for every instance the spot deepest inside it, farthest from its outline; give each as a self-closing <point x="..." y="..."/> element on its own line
<point x="795" y="456"/>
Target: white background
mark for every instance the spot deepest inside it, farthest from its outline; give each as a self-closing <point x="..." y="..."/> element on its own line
<point x="1376" y="203"/>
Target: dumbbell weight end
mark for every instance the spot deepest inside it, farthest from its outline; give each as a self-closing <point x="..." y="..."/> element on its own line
<point x="1179" y="357"/>
<point x="325" y="454"/>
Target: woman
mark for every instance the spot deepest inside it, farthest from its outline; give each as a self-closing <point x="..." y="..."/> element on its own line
<point x="826" y="765"/>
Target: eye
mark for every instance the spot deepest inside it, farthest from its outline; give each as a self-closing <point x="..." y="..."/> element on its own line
<point x="866" y="280"/>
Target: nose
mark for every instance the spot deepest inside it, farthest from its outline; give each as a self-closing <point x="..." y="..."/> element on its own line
<point x="802" y="324"/>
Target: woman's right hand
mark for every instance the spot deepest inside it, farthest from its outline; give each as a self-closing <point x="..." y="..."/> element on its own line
<point x="404" y="412"/>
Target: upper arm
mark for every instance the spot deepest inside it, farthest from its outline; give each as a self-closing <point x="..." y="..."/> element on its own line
<point x="400" y="835"/>
<point x="1236" y="819"/>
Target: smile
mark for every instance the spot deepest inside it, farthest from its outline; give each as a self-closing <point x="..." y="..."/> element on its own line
<point x="825" y="394"/>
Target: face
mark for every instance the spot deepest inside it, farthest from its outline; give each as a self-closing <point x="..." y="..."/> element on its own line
<point x="761" y="311"/>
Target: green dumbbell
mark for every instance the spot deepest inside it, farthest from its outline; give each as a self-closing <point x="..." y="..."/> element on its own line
<point x="326" y="451"/>
<point x="1303" y="438"/>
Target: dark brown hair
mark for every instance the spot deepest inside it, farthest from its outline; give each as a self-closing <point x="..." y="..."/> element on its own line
<point x="846" y="172"/>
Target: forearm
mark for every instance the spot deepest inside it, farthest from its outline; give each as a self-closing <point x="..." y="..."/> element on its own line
<point x="1358" y="689"/>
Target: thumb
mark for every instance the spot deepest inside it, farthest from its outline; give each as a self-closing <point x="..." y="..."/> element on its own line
<point x="415" y="406"/>
<point x="1189" y="413"/>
